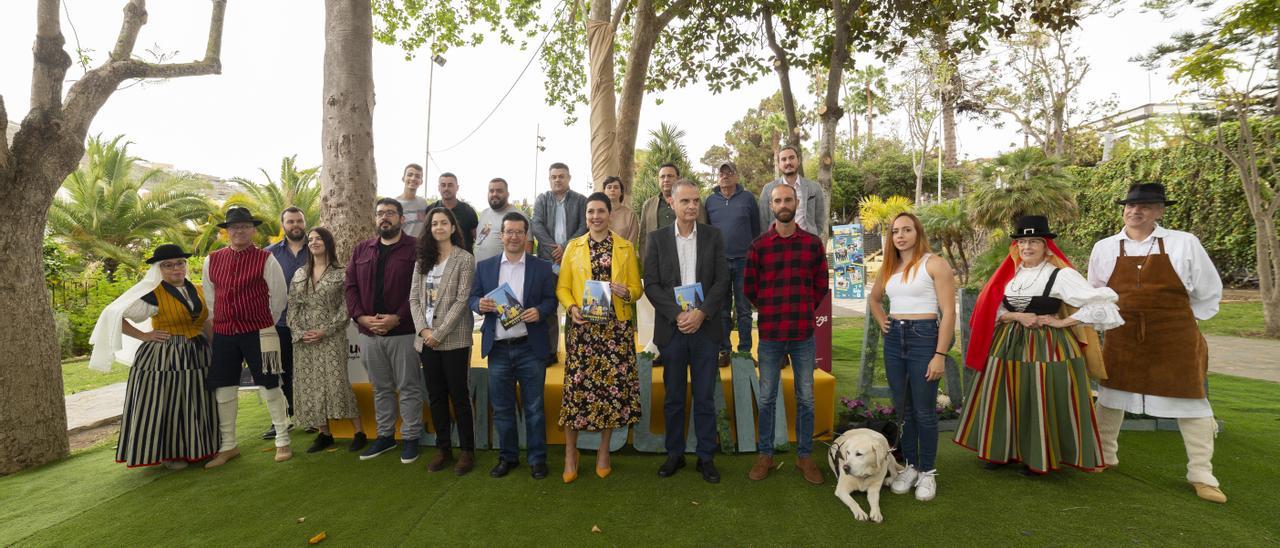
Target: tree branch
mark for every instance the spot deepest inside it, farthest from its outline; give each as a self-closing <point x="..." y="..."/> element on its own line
<point x="617" y="14"/>
<point x="50" y="61"/>
<point x="670" y="13"/>
<point x="88" y="95"/>
<point x="135" y="15"/>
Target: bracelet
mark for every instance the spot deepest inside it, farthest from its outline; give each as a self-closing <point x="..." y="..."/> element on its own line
<point x="943" y="354"/>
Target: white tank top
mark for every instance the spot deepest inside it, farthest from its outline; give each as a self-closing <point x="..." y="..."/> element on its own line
<point x="915" y="296"/>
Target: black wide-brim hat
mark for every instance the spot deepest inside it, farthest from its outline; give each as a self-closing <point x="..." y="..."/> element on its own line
<point x="239" y="215"/>
<point x="1032" y="226"/>
<point x="1146" y="193"/>
<point x="166" y="252"/>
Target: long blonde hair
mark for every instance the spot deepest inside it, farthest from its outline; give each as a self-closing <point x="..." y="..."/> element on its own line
<point x="891" y="257"/>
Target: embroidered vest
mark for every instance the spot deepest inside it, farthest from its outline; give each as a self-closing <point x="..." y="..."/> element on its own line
<point x="241" y="300"/>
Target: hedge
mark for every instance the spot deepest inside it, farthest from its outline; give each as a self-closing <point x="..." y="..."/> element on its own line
<point x="1211" y="202"/>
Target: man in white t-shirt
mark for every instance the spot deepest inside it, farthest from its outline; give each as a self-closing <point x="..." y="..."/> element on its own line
<point x="489" y="231"/>
<point x="415" y="207"/>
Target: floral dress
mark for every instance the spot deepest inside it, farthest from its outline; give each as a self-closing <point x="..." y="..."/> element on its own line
<point x="321" y="389"/>
<point x="601" y="387"/>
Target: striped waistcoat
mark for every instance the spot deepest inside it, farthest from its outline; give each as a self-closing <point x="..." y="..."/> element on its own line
<point x="174" y="317"/>
<point x="241" y="299"/>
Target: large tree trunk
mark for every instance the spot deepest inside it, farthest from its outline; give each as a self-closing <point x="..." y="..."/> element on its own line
<point x="783" y="67"/>
<point x="47" y="148"/>
<point x="646" y="27"/>
<point x="830" y="111"/>
<point x="348" y="182"/>
<point x="604" y="114"/>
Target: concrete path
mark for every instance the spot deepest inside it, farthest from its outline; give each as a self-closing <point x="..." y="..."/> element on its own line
<point x="94" y="408"/>
<point x="1252" y="358"/>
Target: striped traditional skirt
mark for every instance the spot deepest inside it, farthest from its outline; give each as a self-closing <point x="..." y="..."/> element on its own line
<point x="1032" y="404"/>
<point x="168" y="413"/>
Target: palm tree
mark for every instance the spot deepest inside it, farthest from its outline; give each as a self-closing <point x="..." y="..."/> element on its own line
<point x="1023" y="182"/>
<point x="867" y="92"/>
<point x="106" y="214"/>
<point x="947" y="223"/>
<point x="665" y="146"/>
<point x="875" y="211"/>
<point x="295" y="187"/>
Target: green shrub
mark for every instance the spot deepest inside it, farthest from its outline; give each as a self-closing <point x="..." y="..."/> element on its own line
<point x="1211" y="203"/>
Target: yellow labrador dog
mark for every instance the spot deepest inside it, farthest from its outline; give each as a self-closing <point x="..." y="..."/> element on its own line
<point x="862" y="460"/>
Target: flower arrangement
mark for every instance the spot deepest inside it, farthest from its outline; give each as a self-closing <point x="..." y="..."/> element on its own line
<point x="859" y="411"/>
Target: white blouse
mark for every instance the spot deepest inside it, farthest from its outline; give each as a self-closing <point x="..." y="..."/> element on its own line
<point x="1097" y="306"/>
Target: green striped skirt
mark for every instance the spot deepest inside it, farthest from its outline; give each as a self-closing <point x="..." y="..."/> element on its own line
<point x="1032" y="404"/>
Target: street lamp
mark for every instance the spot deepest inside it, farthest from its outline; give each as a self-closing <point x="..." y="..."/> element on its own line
<point x="436" y="59"/>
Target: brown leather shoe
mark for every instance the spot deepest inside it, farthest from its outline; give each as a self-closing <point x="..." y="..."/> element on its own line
<point x="760" y="470"/>
<point x="810" y="470"/>
<point x="1210" y="493"/>
<point x="725" y="359"/>
<point x="438" y="462"/>
<point x="284" y="453"/>
<point x="222" y="457"/>
<point x="466" y="461"/>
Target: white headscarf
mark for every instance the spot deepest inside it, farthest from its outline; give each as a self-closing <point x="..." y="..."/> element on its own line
<point x="107" y="338"/>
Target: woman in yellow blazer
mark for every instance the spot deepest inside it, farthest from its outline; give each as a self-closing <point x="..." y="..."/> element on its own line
<point x="601" y="387"/>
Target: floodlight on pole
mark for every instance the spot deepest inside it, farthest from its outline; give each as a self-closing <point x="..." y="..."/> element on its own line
<point x="436" y="59"/>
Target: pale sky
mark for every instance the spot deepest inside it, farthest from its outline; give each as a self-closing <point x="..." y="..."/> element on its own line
<point x="266" y="103"/>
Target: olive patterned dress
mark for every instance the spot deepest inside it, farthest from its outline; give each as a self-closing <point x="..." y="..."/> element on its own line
<point x="321" y="389"/>
<point x="601" y="386"/>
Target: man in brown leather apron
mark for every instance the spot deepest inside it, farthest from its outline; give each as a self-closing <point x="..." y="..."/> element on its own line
<point x="1156" y="362"/>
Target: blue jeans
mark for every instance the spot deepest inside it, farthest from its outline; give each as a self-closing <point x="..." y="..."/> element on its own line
<point x="908" y="348"/>
<point x="509" y="364"/>
<point x="802" y="358"/>
<point x="737" y="299"/>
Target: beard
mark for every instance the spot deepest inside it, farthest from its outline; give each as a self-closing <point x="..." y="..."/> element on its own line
<point x="785" y="215"/>
<point x="388" y="231"/>
<point x="788" y="173"/>
<point x="497" y="204"/>
<point x="294" y="235"/>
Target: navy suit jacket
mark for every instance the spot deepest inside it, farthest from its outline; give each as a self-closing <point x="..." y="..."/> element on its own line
<point x="539" y="292"/>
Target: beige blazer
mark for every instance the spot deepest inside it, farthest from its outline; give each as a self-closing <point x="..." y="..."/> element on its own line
<point x="452" y="317"/>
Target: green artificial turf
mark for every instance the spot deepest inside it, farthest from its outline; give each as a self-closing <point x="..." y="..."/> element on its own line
<point x="89" y="500"/>
<point x="1236" y="319"/>
<point x="77" y="377"/>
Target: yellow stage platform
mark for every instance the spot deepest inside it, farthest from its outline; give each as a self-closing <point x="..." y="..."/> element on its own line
<point x="740" y="414"/>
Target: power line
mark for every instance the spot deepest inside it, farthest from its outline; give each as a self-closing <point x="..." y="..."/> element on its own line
<point x="505" y="95"/>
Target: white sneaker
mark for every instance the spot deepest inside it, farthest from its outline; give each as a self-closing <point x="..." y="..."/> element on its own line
<point x="927" y="486"/>
<point x="905" y="481"/>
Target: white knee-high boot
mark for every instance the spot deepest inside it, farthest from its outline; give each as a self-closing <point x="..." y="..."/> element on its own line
<point x="278" y="408"/>
<point x="1197" y="436"/>
<point x="1109" y="421"/>
<point x="228" y="399"/>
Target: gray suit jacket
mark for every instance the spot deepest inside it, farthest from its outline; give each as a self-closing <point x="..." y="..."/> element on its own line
<point x="544" y="219"/>
<point x="451" y="319"/>
<point x="662" y="276"/>
<point x="816" y="211"/>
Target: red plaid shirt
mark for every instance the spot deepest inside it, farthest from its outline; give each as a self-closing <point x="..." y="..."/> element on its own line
<point x="786" y="278"/>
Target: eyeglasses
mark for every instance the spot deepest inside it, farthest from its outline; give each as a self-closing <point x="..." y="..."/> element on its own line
<point x="170" y="265"/>
<point x="241" y="227"/>
<point x="388" y="213"/>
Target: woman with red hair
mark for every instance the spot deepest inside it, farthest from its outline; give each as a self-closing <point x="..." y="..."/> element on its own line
<point x="1031" y="402"/>
<point x="917" y="333"/>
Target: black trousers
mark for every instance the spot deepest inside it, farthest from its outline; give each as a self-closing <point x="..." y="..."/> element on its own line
<point x="695" y="356"/>
<point x="230" y="354"/>
<point x="446" y="373"/>
<point x="286" y="361"/>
